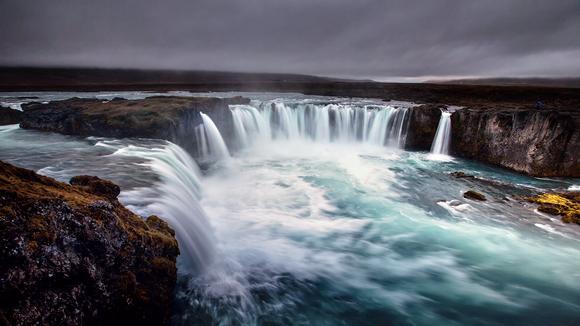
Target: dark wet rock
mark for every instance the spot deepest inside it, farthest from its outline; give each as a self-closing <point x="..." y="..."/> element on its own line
<point x="532" y="141"/>
<point x="10" y="116"/>
<point x="96" y="186"/>
<point x="565" y="204"/>
<point x="161" y="117"/>
<point x="237" y="100"/>
<point x="461" y="175"/>
<point x="422" y="126"/>
<point x="474" y="195"/>
<point x="73" y="255"/>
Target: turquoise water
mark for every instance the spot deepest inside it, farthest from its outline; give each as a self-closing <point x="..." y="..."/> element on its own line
<point x="331" y="236"/>
<point x="310" y="233"/>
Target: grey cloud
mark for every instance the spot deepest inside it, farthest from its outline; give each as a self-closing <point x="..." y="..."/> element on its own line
<point x="364" y="38"/>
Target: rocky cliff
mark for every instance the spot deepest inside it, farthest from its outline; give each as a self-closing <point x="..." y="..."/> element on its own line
<point x="71" y="254"/>
<point x="422" y="126"/>
<point x="536" y="142"/>
<point x="162" y="117"/>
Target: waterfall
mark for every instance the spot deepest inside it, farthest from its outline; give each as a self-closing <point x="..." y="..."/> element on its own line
<point x="249" y="124"/>
<point x="380" y="125"/>
<point x="443" y="135"/>
<point x="175" y="198"/>
<point x="210" y="141"/>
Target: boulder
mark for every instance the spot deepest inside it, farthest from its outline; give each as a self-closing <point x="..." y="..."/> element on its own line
<point x="474" y="195"/>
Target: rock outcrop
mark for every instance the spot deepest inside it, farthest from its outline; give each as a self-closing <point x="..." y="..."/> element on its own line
<point x="532" y="141"/>
<point x="161" y="117"/>
<point x="10" y="116"/>
<point x="73" y="255"/>
<point x="422" y="126"/>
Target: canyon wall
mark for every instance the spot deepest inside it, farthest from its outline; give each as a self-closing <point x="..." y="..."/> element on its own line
<point x="536" y="142"/>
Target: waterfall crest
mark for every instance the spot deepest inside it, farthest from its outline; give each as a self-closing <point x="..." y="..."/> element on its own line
<point x="379" y="125"/>
<point x="210" y="142"/>
<point x="175" y="198"/>
<point x="443" y="135"/>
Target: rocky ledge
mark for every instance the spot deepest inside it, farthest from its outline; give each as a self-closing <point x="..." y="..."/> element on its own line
<point x="534" y="141"/>
<point x="161" y="117"/>
<point x="71" y="254"/>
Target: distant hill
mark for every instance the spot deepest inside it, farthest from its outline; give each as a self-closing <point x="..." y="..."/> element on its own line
<point x="14" y="77"/>
<point x="544" y="82"/>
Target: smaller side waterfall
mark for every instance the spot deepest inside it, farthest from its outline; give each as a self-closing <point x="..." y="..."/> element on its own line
<point x="443" y="135"/>
<point x="211" y="145"/>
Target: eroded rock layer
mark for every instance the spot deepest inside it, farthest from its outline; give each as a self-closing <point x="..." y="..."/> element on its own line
<point x="532" y="141"/>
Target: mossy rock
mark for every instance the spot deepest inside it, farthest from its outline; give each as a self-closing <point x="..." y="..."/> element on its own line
<point x="474" y="195"/>
<point x="566" y="205"/>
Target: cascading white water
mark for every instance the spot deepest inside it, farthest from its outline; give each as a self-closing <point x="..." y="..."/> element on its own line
<point x="443" y="135"/>
<point x="175" y="198"/>
<point x="249" y="124"/>
<point x="210" y="141"/>
<point x="376" y="125"/>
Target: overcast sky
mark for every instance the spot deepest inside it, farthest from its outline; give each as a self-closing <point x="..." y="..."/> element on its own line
<point x="379" y="39"/>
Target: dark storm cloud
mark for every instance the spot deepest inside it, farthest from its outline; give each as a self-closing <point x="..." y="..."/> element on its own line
<point x="363" y="38"/>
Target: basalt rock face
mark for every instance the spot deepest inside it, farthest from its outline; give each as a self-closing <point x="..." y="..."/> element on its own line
<point x="9" y="116"/>
<point x="161" y="117"/>
<point x="532" y="141"/>
<point x="422" y="126"/>
<point x="73" y="255"/>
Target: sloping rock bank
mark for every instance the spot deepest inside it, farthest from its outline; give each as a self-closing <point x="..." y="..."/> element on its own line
<point x="162" y="117"/>
<point x="73" y="255"/>
<point x="537" y="142"/>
